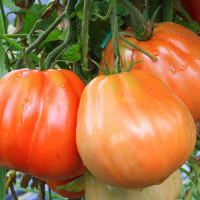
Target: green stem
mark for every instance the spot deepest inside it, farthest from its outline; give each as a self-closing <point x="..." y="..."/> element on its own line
<point x="85" y="32"/>
<point x="185" y="14"/>
<point x="2" y="182"/>
<point x="43" y="36"/>
<point x="39" y="1"/>
<point x="167" y="10"/>
<point x="114" y="27"/>
<point x="197" y="145"/>
<point x="136" y="47"/>
<point x="56" y="52"/>
<point x="70" y="38"/>
<point x="3" y="17"/>
<point x="4" y="28"/>
<point x="151" y="7"/>
<point x="20" y="48"/>
<point x="19" y="35"/>
<point x="140" y="20"/>
<point x="106" y="17"/>
<point x="33" y="29"/>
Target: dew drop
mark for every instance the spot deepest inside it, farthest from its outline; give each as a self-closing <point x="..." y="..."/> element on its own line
<point x="155" y="52"/>
<point x="183" y="67"/>
<point x="173" y="69"/>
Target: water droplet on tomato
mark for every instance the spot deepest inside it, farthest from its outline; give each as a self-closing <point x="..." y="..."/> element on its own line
<point x="155" y="52"/>
<point x="183" y="67"/>
<point x="173" y="70"/>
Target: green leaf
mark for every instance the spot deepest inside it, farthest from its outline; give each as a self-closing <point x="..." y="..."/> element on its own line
<point x="196" y="168"/>
<point x="189" y="195"/>
<point x="94" y="8"/>
<point x="53" y="36"/>
<point x="98" y="31"/>
<point x="33" y="15"/>
<point x="74" y="186"/>
<point x="198" y="185"/>
<point x="63" y="35"/>
<point x="86" y="72"/>
<point x="72" y="54"/>
<point x="2" y="182"/>
<point x="79" y="9"/>
<point x="1" y="25"/>
<point x="3" y="68"/>
<point x="19" y="47"/>
<point x="9" y="4"/>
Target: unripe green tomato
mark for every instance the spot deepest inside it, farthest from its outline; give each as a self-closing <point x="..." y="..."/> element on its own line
<point x="167" y="190"/>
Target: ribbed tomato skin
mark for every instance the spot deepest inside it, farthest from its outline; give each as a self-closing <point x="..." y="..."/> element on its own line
<point x="177" y="50"/>
<point x="38" y="111"/>
<point x="53" y="184"/>
<point x="132" y="130"/>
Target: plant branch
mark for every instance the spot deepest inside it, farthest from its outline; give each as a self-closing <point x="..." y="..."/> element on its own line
<point x="167" y="10"/>
<point x="43" y="36"/>
<point x="19" y="35"/>
<point x="2" y="182"/>
<point x="85" y="32"/>
<point x="136" y="47"/>
<point x="114" y="27"/>
<point x="140" y="20"/>
<point x="3" y="17"/>
<point x="106" y="17"/>
<point x="71" y="34"/>
<point x="20" y="48"/>
<point x="12" y="175"/>
<point x="33" y="29"/>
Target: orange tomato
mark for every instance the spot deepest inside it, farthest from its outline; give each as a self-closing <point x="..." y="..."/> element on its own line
<point x="132" y="130"/>
<point x="177" y="50"/>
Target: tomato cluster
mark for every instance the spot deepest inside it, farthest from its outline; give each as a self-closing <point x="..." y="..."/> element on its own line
<point x="131" y="130"/>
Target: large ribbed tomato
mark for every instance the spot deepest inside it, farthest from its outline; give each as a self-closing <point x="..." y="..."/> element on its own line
<point x="53" y="184"/>
<point x="177" y="50"/>
<point x="38" y="111"/>
<point x="132" y="130"/>
<point x="168" y="190"/>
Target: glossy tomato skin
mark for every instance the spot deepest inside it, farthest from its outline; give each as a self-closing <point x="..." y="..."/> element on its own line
<point x="53" y="184"/>
<point x="192" y="7"/>
<point x="38" y="122"/>
<point x="167" y="190"/>
<point x="177" y="50"/>
<point x="132" y="130"/>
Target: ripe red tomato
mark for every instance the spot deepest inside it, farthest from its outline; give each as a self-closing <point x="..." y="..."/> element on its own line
<point x="132" y="130"/>
<point x="192" y="7"/>
<point x="177" y="50"/>
<point x="53" y="184"/>
<point x="38" y="111"/>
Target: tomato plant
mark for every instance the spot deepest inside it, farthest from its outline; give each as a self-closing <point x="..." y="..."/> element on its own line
<point x="98" y="190"/>
<point x="38" y="121"/>
<point x="37" y="134"/>
<point x="128" y="128"/>
<point x="177" y="51"/>
<point x="53" y="184"/>
<point x="193" y="8"/>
